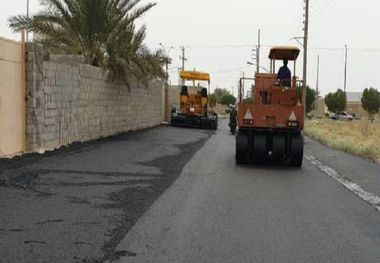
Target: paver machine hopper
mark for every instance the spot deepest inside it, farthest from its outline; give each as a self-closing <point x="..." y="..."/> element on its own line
<point x="194" y="109"/>
<point x="271" y="125"/>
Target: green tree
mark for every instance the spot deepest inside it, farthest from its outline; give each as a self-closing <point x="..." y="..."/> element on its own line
<point x="371" y="101"/>
<point x="248" y="100"/>
<point x="213" y="100"/>
<point x="311" y="95"/>
<point x="222" y="96"/>
<point x="103" y="31"/>
<point x="330" y="102"/>
<point x="227" y="99"/>
<point x="219" y="92"/>
<point x="337" y="101"/>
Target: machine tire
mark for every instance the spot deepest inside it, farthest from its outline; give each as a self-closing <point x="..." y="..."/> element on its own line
<point x="260" y="147"/>
<point x="296" y="149"/>
<point x="241" y="154"/>
<point x="279" y="148"/>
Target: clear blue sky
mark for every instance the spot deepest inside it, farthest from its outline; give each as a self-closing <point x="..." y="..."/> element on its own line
<point x="219" y="36"/>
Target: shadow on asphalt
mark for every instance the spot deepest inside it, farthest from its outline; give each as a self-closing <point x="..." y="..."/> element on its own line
<point x="269" y="167"/>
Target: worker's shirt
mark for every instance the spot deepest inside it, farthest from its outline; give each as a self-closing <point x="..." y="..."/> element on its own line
<point x="233" y="115"/>
<point x="284" y="73"/>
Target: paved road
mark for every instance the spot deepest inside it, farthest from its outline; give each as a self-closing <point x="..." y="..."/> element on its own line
<point x="76" y="204"/>
<point x="219" y="212"/>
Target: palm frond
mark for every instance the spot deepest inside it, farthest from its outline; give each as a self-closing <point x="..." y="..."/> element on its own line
<point x="103" y="31"/>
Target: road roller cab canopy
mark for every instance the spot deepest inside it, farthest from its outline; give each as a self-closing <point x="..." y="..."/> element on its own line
<point x="195" y="75"/>
<point x="284" y="52"/>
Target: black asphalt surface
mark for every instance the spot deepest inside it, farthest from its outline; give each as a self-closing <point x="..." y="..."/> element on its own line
<point x="217" y="211"/>
<point x="176" y="195"/>
<point x="77" y="203"/>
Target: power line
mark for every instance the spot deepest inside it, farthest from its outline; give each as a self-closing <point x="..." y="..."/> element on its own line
<point x="316" y="6"/>
<point x="320" y="48"/>
<point x="323" y="8"/>
<point x="218" y="46"/>
<point x="221" y="46"/>
<point x="228" y="70"/>
<point x="296" y="19"/>
<point x="366" y="50"/>
<point x="358" y="49"/>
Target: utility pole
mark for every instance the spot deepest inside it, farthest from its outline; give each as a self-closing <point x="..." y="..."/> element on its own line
<point x="345" y="69"/>
<point x="305" y="42"/>
<point x="166" y="52"/>
<point x="258" y="53"/>
<point x="179" y="77"/>
<point x="27" y="16"/>
<point x="243" y="84"/>
<point x="183" y="58"/>
<point x="194" y="81"/>
<point x="317" y="86"/>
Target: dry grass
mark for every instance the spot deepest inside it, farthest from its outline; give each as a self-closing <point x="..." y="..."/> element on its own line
<point x="357" y="137"/>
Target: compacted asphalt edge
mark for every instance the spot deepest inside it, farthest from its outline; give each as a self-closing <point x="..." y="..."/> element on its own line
<point x="76" y="203"/>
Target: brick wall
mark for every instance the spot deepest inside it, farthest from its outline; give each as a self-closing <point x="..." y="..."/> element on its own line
<point x="68" y="101"/>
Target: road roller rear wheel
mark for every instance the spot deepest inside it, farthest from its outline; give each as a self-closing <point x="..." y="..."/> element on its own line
<point x="260" y="152"/>
<point x="278" y="148"/>
<point x="241" y="154"/>
<point x="296" y="150"/>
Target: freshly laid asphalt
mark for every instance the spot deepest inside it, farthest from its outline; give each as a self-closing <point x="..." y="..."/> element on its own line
<point x="76" y="204"/>
<point x="217" y="211"/>
<point x="176" y="195"/>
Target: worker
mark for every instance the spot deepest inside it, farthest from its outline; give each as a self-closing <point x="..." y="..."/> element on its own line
<point x="233" y="114"/>
<point x="285" y="75"/>
<point x="233" y="121"/>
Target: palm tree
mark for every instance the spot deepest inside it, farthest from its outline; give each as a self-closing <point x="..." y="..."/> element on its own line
<point x="103" y="31"/>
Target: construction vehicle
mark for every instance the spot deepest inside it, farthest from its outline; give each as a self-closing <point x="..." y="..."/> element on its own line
<point x="194" y="109"/>
<point x="270" y="127"/>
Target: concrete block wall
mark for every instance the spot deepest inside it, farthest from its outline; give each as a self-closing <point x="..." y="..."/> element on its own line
<point x="68" y="101"/>
<point x="35" y="103"/>
<point x="172" y="97"/>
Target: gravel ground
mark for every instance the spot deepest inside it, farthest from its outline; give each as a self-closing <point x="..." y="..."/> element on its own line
<point x="77" y="203"/>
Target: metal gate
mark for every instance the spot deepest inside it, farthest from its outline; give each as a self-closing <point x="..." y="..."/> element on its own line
<point x="12" y="97"/>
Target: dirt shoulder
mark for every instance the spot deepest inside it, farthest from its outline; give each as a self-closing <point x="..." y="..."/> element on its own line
<point x="356" y="137"/>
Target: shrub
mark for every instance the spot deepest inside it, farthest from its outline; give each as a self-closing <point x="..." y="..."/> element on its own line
<point x="337" y="101"/>
<point x="371" y="101"/>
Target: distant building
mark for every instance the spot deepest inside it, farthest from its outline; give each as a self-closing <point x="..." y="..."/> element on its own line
<point x="354" y="104"/>
<point x="354" y="97"/>
<point x="320" y="107"/>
